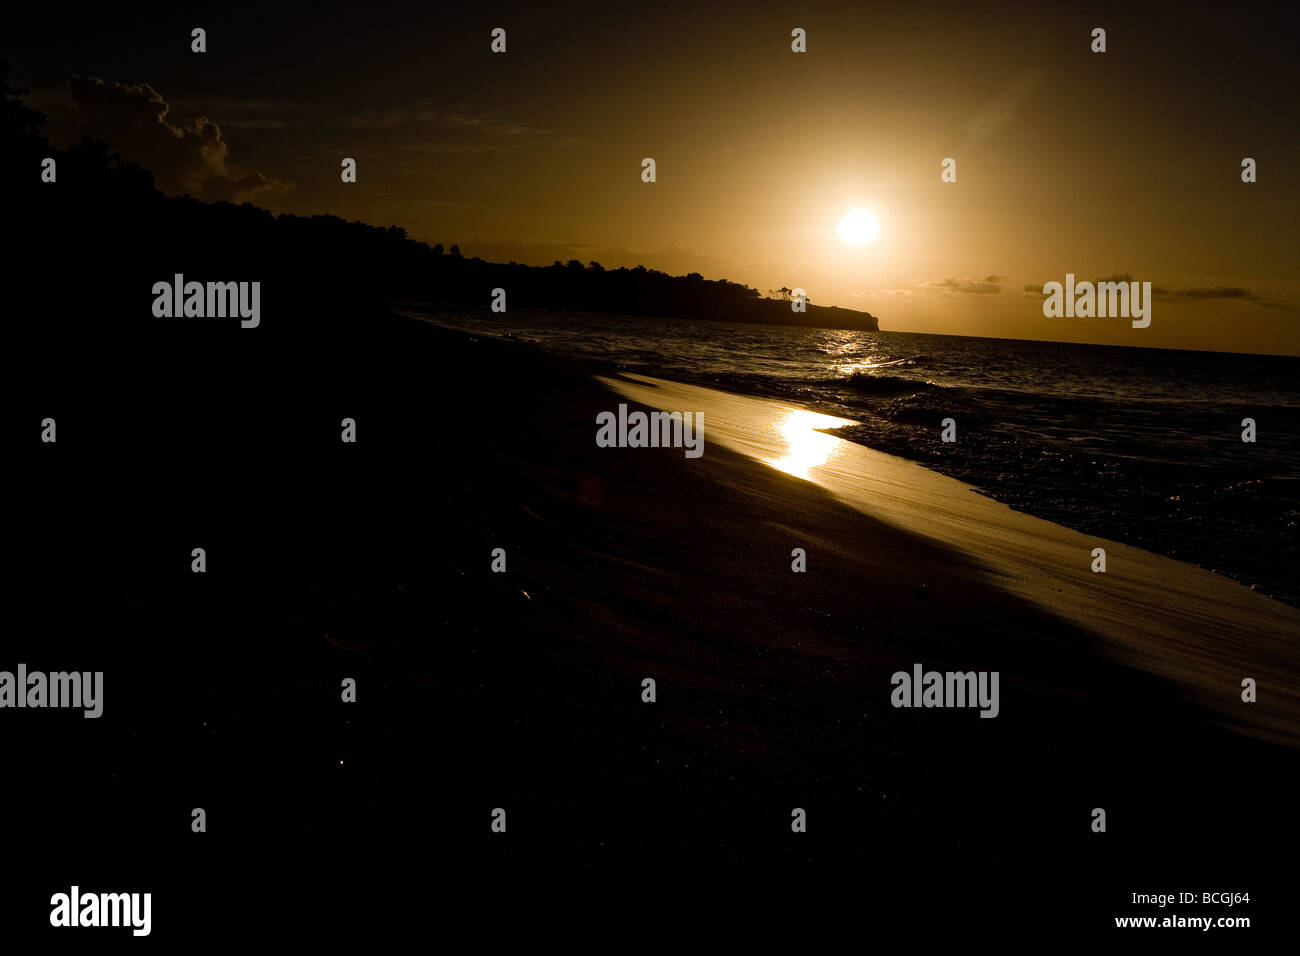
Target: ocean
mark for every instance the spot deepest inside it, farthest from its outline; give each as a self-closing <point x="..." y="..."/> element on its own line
<point x="1140" y="445"/>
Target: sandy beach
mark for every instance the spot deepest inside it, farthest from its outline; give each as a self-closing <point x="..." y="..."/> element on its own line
<point x="523" y="690"/>
<point x="1199" y="632"/>
<point x="774" y="686"/>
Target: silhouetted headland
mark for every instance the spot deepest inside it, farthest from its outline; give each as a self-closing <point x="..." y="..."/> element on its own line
<point x="104" y="226"/>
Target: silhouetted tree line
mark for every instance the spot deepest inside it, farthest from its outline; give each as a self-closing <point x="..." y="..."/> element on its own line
<point x="103" y="234"/>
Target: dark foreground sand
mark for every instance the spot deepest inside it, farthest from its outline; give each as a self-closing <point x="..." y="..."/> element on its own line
<point x="522" y="690"/>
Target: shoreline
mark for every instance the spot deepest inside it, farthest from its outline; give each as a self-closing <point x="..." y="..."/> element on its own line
<point x="1204" y="519"/>
<point x="523" y="689"/>
<point x="1201" y="631"/>
<point x="1155" y="614"/>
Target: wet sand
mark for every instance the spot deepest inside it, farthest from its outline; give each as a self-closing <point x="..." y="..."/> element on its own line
<point x="1199" y="632"/>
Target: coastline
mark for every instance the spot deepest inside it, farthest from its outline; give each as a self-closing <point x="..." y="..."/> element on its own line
<point x="522" y="689"/>
<point x="1195" y="633"/>
<point x="1200" y="631"/>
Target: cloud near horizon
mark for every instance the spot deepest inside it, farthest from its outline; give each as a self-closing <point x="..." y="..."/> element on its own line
<point x="989" y="285"/>
<point x="1194" y="294"/>
<point x="132" y="120"/>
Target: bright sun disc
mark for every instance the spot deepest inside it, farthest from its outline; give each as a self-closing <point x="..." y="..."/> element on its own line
<point x="858" y="227"/>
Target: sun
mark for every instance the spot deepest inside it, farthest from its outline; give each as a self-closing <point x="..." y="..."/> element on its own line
<point x="858" y="227"/>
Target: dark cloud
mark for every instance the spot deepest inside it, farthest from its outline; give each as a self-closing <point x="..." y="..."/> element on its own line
<point x="183" y="159"/>
<point x="1218" y="292"/>
<point x="1195" y="294"/>
<point x="989" y="285"/>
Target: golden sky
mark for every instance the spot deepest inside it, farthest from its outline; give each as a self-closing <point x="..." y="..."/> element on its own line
<point x="1123" y="162"/>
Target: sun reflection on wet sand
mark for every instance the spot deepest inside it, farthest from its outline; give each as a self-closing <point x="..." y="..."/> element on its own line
<point x="1139" y="616"/>
<point x="806" y="447"/>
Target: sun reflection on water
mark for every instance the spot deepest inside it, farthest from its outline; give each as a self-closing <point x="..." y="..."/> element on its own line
<point x="806" y="447"/>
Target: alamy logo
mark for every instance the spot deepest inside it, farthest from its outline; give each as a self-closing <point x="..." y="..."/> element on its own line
<point x="949" y="689"/>
<point x="102" y="909"/>
<point x="653" y="430"/>
<point x="59" y="689"/>
<point x="213" y="300"/>
<point x="1100" y="300"/>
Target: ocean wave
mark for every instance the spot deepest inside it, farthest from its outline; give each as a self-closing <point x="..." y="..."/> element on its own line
<point x="872" y="384"/>
<point x="893" y="363"/>
<point x="1137" y="445"/>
